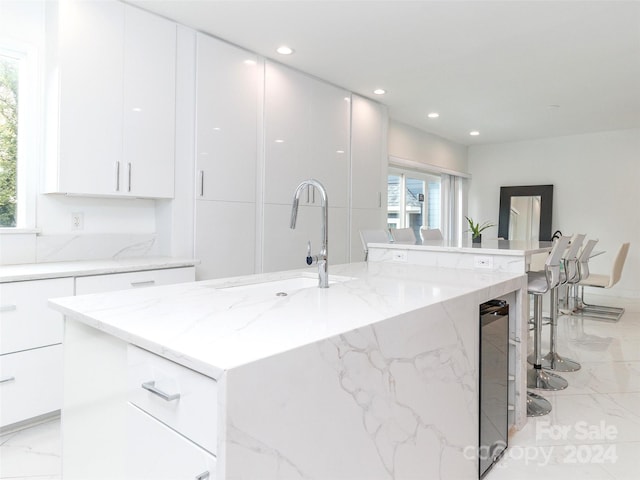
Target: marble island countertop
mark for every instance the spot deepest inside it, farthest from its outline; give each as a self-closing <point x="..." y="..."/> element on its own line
<point x="44" y="270"/>
<point x="489" y="246"/>
<point x="212" y="326"/>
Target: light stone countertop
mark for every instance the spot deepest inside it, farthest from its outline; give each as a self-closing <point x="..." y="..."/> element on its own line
<point x="210" y="327"/>
<point x="41" y="271"/>
<point x="491" y="247"/>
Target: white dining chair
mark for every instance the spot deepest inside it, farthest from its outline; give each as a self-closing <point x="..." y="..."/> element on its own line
<point x="430" y="234"/>
<point x="599" y="280"/>
<point x="403" y="235"/>
<point x="372" y="236"/>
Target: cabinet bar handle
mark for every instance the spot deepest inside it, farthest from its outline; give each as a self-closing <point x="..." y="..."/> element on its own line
<point x="202" y="183"/>
<point x="379" y="199"/>
<point x="117" y="176"/>
<point x="143" y="283"/>
<point x="203" y="476"/>
<point x="151" y="387"/>
<point x="129" y="176"/>
<point x="8" y="308"/>
<point x="8" y="379"/>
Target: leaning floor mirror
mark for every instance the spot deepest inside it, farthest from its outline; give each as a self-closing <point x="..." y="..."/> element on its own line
<point x="525" y="212"/>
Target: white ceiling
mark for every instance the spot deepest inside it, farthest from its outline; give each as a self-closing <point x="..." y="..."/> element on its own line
<point x="492" y="66"/>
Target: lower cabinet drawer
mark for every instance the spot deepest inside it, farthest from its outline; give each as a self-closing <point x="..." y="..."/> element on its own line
<point x="30" y="384"/>
<point x="182" y="399"/>
<point x="26" y="321"/>
<point x="155" y="452"/>
<point x="124" y="281"/>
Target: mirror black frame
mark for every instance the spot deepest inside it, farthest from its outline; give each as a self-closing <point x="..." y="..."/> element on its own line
<point x="546" y="204"/>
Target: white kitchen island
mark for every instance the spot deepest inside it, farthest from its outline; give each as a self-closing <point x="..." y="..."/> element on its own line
<point x="375" y="377"/>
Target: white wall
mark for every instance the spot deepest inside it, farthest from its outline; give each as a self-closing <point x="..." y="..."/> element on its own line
<point x="595" y="179"/>
<point x="409" y="143"/>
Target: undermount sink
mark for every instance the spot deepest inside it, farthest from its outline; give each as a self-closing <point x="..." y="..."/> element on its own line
<point x="285" y="286"/>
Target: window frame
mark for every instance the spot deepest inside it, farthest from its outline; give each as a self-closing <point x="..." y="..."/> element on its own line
<point x="453" y="193"/>
<point x="30" y="140"/>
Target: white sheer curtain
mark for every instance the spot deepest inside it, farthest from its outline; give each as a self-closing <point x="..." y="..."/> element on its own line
<point x="454" y="207"/>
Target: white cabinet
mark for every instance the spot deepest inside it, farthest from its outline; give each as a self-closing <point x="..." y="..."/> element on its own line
<point x="226" y="121"/>
<point x="184" y="400"/>
<point x="26" y="321"/>
<point x="149" y="104"/>
<point x="30" y="384"/>
<point x="124" y="281"/>
<point x="368" y="153"/>
<point x="107" y="436"/>
<point x="306" y="135"/>
<point x="30" y="350"/>
<point x="368" y="170"/>
<point x="111" y="100"/>
<point x="225" y="239"/>
<point x="156" y="452"/>
<point x="228" y="83"/>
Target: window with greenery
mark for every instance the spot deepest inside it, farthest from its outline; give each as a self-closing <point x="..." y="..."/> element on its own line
<point x="8" y="140"/>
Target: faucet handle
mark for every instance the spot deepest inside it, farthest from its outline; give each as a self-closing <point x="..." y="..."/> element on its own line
<point x="309" y="257"/>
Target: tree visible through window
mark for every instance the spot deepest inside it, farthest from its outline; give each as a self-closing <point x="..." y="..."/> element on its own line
<point x="8" y="140"/>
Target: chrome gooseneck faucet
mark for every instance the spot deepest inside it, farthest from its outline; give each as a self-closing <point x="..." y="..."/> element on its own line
<point x="322" y="258"/>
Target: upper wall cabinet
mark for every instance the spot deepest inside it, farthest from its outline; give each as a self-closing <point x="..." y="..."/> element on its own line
<point x="306" y="135"/>
<point x="227" y="114"/>
<point x="110" y="100"/>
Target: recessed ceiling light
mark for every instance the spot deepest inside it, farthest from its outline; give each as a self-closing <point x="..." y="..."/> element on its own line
<point x="379" y="91"/>
<point x="279" y="140"/>
<point x="339" y="151"/>
<point x="249" y="61"/>
<point x="474" y="133"/>
<point x="284" y="50"/>
<point x="433" y="115"/>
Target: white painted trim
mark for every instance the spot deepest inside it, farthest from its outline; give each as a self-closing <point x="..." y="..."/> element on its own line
<point x="423" y="167"/>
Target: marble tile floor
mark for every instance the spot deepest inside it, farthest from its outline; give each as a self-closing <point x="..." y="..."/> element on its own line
<point x="593" y="431"/>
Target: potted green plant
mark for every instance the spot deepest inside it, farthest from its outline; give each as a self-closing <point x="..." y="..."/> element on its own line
<point x="476" y="229"/>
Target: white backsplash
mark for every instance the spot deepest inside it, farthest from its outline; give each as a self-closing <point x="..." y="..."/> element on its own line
<point x="32" y="248"/>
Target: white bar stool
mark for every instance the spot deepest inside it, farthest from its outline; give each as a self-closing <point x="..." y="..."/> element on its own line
<point x="571" y="275"/>
<point x="539" y="284"/>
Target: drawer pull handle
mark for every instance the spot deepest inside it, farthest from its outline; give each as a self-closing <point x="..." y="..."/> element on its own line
<point x="8" y="308"/>
<point x="143" y="283"/>
<point x="203" y="476"/>
<point x="8" y="379"/>
<point x="151" y="386"/>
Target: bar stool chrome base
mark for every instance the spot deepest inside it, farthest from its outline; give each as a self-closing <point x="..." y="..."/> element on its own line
<point x="537" y="405"/>
<point x="553" y="361"/>
<point x="543" y="380"/>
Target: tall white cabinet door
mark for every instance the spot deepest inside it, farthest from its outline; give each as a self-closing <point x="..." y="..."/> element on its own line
<point x="368" y="153"/>
<point x="225" y="239"/>
<point x="227" y="82"/>
<point x="89" y="132"/>
<point x="306" y="135"/>
<point x="149" y="104"/>
<point x="369" y="165"/>
<point x="228" y="85"/>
